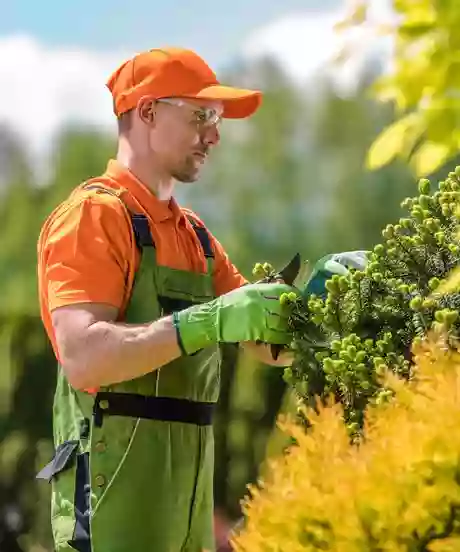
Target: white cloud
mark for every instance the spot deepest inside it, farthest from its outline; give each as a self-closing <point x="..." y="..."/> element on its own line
<point x="41" y="88"/>
<point x="306" y="43"/>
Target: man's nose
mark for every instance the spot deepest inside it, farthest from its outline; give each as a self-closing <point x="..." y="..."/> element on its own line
<point x="211" y="135"/>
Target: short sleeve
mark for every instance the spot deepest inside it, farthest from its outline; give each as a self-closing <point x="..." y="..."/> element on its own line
<point x="226" y="275"/>
<point x="87" y="254"/>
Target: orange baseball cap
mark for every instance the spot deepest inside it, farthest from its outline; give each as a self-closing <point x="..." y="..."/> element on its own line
<point x="176" y="72"/>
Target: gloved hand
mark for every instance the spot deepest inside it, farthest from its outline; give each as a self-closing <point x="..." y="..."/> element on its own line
<point x="327" y="266"/>
<point x="249" y="313"/>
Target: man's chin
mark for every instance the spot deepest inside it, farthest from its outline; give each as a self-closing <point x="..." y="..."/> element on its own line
<point x="191" y="170"/>
<point x="187" y="178"/>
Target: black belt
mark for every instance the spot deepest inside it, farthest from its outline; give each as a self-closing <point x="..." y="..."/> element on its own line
<point x="165" y="409"/>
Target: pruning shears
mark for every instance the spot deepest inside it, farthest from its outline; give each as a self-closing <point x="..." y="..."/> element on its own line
<point x="287" y="275"/>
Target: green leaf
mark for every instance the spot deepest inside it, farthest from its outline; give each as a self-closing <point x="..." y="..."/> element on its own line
<point x="429" y="157"/>
<point x="413" y="29"/>
<point x="397" y="139"/>
<point x="418" y="21"/>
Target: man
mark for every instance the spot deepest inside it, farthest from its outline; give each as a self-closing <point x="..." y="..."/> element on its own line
<point x="136" y="295"/>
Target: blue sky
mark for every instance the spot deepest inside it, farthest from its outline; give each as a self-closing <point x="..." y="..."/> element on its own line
<point x="216" y="29"/>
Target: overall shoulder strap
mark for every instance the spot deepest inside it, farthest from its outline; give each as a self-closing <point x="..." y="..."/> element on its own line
<point x="141" y="228"/>
<point x="203" y="236"/>
<point x="139" y="221"/>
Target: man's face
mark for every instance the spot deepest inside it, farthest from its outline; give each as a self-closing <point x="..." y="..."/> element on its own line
<point x="183" y="133"/>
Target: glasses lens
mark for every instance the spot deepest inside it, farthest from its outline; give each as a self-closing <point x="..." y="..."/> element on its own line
<point x="205" y="116"/>
<point x="212" y="117"/>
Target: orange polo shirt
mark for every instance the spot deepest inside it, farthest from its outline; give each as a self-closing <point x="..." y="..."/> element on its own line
<point x="86" y="252"/>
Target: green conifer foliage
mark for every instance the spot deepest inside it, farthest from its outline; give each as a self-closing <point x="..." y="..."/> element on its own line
<point x="370" y="319"/>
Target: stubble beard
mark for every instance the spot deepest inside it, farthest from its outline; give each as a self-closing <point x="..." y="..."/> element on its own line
<point x="188" y="173"/>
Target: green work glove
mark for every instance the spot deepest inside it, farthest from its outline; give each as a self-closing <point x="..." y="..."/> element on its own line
<point x="249" y="313"/>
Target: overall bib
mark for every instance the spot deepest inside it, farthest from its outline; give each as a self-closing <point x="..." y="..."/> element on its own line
<point x="133" y="464"/>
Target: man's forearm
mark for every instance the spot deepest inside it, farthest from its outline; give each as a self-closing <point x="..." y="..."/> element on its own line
<point x="114" y="352"/>
<point x="95" y="351"/>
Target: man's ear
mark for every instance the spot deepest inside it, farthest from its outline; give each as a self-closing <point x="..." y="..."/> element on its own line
<point x="146" y="110"/>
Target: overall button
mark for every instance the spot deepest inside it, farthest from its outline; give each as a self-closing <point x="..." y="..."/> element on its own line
<point x="104" y="404"/>
<point x="99" y="480"/>
<point x="100" y="446"/>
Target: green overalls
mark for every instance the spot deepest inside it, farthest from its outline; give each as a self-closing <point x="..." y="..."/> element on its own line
<point x="133" y="467"/>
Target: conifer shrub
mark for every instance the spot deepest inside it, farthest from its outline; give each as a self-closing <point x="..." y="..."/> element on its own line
<point x="368" y="319"/>
<point x="398" y="491"/>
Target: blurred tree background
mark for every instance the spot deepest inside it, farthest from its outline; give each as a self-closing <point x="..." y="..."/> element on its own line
<point x="422" y="81"/>
<point x="289" y="179"/>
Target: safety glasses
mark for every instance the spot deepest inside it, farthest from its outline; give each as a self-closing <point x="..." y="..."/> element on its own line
<point x="204" y="116"/>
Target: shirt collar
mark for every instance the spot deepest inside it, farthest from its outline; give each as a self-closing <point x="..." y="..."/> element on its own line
<point x="158" y="210"/>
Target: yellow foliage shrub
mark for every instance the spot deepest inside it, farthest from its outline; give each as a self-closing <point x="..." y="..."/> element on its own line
<point x="398" y="490"/>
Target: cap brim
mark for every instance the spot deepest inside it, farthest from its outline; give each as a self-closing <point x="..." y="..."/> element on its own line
<point x="238" y="103"/>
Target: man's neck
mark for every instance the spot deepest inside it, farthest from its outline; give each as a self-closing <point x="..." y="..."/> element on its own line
<point x="161" y="185"/>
